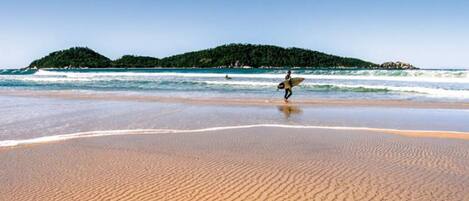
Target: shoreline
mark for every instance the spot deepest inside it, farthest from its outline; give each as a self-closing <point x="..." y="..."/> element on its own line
<point x="115" y="96"/>
<point x="104" y="133"/>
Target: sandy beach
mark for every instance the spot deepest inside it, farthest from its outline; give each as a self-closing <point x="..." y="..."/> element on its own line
<point x="96" y="146"/>
<point x="239" y="164"/>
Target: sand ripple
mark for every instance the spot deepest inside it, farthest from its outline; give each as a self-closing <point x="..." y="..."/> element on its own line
<point x="240" y="164"/>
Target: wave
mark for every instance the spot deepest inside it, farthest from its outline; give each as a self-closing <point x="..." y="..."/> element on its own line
<point x="411" y="77"/>
<point x="396" y="73"/>
<point x="434" y="92"/>
<point x="244" y="83"/>
<point x="55" y="138"/>
<point x="443" y="84"/>
<point x="129" y="83"/>
<point x="17" y="71"/>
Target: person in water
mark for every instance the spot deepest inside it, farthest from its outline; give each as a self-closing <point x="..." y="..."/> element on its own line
<point x="288" y="91"/>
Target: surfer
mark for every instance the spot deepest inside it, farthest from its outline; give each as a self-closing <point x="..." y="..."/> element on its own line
<point x="288" y="91"/>
<point x="288" y="84"/>
<point x="227" y="77"/>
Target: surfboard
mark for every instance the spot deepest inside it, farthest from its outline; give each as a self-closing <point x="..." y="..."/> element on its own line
<point x="294" y="81"/>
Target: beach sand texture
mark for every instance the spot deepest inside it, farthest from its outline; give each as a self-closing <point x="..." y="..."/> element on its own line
<point x="239" y="164"/>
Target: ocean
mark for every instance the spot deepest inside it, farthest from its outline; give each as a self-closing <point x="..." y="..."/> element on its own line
<point x="436" y="85"/>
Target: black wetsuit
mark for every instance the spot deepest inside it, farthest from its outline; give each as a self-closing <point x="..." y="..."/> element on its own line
<point x="288" y="91"/>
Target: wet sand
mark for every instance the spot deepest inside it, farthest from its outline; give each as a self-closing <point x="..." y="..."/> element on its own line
<point x="239" y="164"/>
<point x="93" y="134"/>
<point x="110" y="96"/>
<point x="32" y="117"/>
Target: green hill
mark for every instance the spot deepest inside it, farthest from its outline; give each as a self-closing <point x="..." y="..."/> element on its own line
<point x="73" y="57"/>
<point x="233" y="55"/>
<point x="136" y="61"/>
<point x="260" y="55"/>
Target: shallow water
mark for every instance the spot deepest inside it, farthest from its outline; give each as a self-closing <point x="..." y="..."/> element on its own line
<point x="420" y="85"/>
<point x="31" y="117"/>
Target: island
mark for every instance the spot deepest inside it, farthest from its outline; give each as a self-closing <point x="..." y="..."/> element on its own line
<point x="231" y="55"/>
<point x="397" y="65"/>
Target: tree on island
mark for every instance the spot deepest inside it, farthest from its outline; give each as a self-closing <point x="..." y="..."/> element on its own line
<point x="136" y="61"/>
<point x="237" y="55"/>
<point x="233" y="55"/>
<point x="73" y="57"/>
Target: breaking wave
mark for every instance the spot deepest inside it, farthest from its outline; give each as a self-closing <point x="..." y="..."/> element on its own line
<point x="453" y="84"/>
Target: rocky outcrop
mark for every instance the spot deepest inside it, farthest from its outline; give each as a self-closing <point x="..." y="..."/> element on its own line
<point x="397" y="65"/>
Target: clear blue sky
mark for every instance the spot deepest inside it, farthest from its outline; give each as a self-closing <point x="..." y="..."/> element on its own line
<point x="429" y="34"/>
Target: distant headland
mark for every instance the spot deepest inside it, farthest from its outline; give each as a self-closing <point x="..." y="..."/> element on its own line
<point x="232" y="55"/>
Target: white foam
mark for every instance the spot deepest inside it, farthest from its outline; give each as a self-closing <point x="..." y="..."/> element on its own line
<point x="55" y="79"/>
<point x="67" y="77"/>
<point x="244" y="83"/>
<point x="411" y="78"/>
<point x="431" y="92"/>
<point x="56" y="138"/>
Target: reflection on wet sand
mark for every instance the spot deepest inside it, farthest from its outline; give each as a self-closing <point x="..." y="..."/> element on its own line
<point x="289" y="110"/>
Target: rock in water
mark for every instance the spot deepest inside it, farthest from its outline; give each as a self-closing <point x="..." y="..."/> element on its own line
<point x="397" y="65"/>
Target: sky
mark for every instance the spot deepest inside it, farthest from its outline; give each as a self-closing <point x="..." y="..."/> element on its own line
<point x="426" y="33"/>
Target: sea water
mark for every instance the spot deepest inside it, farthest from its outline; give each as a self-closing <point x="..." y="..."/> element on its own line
<point x="438" y="85"/>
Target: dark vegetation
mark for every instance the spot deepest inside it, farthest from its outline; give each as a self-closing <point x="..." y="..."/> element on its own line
<point x="73" y="57"/>
<point x="233" y="55"/>
<point x="136" y="61"/>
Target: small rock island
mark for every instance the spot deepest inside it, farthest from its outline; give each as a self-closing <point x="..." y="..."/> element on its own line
<point x="397" y="65"/>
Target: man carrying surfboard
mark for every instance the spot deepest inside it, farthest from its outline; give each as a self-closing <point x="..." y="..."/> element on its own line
<point x="288" y="91"/>
<point x="288" y="84"/>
